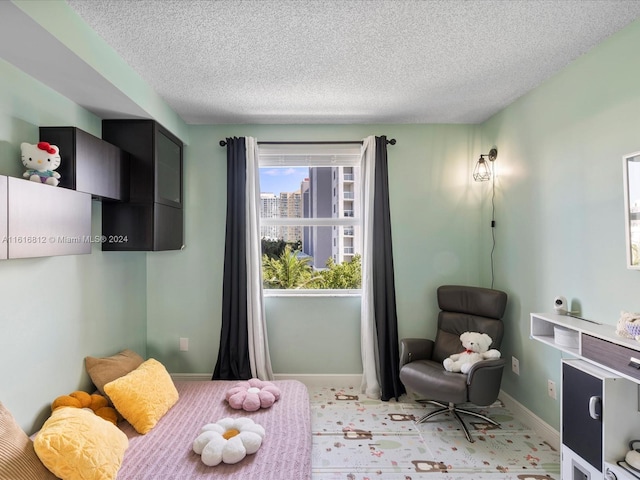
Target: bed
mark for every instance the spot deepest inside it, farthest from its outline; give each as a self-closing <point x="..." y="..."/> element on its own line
<point x="166" y="452"/>
<point x="161" y="419"/>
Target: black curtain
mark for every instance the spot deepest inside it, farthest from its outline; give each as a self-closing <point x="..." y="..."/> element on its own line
<point x="383" y="281"/>
<point x="233" y="355"/>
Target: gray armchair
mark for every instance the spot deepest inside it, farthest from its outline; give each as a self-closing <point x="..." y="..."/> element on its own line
<point x="463" y="309"/>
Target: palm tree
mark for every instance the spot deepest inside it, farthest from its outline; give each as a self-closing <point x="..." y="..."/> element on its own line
<point x="342" y="275"/>
<point x="288" y="271"/>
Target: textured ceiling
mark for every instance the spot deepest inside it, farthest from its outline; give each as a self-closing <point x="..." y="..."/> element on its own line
<point x="351" y="61"/>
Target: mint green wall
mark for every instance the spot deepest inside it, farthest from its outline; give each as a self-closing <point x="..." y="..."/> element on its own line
<point x="57" y="310"/>
<point x="436" y="233"/>
<point x="560" y="220"/>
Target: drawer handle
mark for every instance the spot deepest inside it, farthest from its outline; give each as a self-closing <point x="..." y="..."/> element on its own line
<point x="594" y="408"/>
<point x="634" y="362"/>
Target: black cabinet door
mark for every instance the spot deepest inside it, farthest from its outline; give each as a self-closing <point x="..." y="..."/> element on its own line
<point x="168" y="169"/>
<point x="580" y="431"/>
<point x="107" y="177"/>
<point x="89" y="164"/>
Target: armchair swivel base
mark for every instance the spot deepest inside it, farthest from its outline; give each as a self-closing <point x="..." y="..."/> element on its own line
<point x="455" y="411"/>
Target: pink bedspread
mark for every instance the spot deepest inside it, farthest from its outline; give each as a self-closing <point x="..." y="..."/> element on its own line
<point x="166" y="451"/>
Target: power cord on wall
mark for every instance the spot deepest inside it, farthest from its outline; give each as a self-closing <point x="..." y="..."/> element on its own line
<point x="493" y="221"/>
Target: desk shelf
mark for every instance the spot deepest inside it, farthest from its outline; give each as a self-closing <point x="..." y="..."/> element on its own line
<point x="542" y="330"/>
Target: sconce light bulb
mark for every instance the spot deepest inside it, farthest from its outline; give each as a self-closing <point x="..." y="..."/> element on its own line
<point x="482" y="171"/>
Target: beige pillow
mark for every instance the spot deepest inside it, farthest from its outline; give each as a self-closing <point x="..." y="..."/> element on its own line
<point x="143" y="396"/>
<point x="18" y="460"/>
<point x="76" y="444"/>
<point x="106" y="369"/>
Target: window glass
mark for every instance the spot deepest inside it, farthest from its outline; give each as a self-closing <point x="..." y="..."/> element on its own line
<point x="309" y="214"/>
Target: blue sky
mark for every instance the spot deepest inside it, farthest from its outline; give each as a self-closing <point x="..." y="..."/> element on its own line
<point x="282" y="179"/>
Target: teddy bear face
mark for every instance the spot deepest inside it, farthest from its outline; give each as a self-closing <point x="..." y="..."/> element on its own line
<point x="40" y="157"/>
<point x="476" y="342"/>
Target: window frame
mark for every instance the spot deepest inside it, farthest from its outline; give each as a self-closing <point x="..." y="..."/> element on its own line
<point x="312" y="155"/>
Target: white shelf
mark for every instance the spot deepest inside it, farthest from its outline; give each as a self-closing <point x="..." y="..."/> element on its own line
<point x="542" y="330"/>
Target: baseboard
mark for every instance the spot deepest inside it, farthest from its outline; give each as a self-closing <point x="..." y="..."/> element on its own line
<point x="323" y="380"/>
<point x="542" y="428"/>
<point x="191" y="376"/>
<point x="309" y="379"/>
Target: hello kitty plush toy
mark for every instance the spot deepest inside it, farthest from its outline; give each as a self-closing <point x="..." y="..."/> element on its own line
<point x="41" y="160"/>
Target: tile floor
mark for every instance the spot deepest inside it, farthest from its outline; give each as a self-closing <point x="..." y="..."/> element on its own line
<point x="356" y="438"/>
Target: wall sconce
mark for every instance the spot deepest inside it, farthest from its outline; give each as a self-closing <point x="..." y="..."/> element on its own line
<point x="482" y="170"/>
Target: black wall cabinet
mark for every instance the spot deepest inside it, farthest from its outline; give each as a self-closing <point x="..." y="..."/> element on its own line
<point x="89" y="164"/>
<point x="152" y="219"/>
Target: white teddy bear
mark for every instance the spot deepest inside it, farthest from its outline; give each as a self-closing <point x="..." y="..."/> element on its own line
<point x="476" y="349"/>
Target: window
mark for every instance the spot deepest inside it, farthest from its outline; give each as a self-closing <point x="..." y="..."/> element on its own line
<point x="309" y="217"/>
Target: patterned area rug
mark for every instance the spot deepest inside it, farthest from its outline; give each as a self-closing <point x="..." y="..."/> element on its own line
<point x="356" y="438"/>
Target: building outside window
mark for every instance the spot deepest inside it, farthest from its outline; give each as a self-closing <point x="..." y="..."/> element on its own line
<point x="310" y="198"/>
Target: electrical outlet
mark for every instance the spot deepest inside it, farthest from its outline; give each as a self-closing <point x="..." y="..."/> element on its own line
<point x="515" y="365"/>
<point x="184" y="344"/>
<point x="551" y="389"/>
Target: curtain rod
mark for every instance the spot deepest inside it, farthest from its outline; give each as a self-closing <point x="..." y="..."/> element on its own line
<point x="392" y="142"/>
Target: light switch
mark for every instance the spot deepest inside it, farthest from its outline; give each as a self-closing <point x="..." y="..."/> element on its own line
<point x="184" y="344"/>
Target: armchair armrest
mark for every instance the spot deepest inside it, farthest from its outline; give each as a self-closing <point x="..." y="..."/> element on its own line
<point x="412" y="349"/>
<point x="484" y="379"/>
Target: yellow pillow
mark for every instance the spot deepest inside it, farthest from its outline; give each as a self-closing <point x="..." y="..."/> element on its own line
<point x="143" y="396"/>
<point x="75" y="444"/>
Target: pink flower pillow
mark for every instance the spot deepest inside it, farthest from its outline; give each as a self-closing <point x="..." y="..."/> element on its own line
<point x="252" y="395"/>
